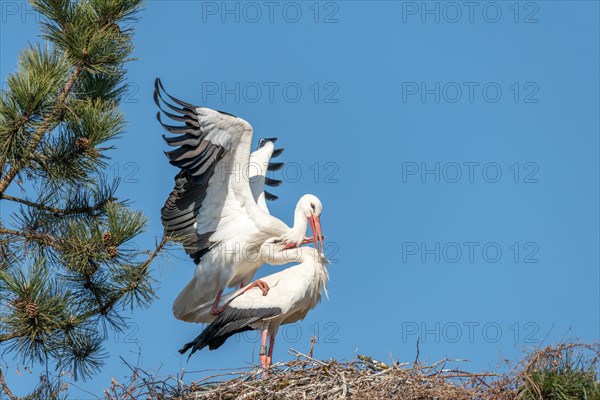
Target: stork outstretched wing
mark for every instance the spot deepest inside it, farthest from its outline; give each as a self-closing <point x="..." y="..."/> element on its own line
<point x="212" y="200"/>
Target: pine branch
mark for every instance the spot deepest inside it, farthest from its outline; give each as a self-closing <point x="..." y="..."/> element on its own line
<point x="47" y="124"/>
<point x="101" y="309"/>
<point x="105" y="308"/>
<point x="41" y="238"/>
<point x="10" y="395"/>
<point x="58" y="212"/>
<point x="24" y="120"/>
<point x="8" y="336"/>
<point x="67" y="265"/>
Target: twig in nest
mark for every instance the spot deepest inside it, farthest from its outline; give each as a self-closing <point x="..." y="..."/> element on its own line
<point x="313" y="340"/>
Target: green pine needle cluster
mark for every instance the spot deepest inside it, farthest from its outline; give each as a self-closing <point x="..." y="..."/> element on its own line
<point x="68" y="262"/>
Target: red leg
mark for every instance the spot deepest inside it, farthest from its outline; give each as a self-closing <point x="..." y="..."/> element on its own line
<point x="270" y="354"/>
<point x="305" y="241"/>
<point x="215" y="309"/>
<point x="260" y="284"/>
<point x="263" y="349"/>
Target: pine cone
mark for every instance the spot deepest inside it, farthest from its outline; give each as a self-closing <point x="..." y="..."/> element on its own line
<point x="107" y="237"/>
<point x="82" y="144"/>
<point x="19" y="304"/>
<point x="113" y="252"/>
<point x="31" y="309"/>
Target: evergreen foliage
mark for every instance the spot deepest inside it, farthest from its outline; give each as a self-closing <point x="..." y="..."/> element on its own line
<point x="67" y="268"/>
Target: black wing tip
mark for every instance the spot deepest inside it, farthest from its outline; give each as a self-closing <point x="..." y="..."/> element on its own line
<point x="155" y="96"/>
<point x="270" y="196"/>
<point x="159" y="85"/>
<point x="227" y="324"/>
<point x="275" y="166"/>
<point x="264" y="141"/>
<point x="272" y="182"/>
<point x="226" y="113"/>
<point x="196" y="344"/>
<point x="187" y="346"/>
<point x="158" y="88"/>
<point x="277" y="152"/>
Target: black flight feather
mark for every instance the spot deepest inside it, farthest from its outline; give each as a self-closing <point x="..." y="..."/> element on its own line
<point x="275" y="166"/>
<point x="228" y="323"/>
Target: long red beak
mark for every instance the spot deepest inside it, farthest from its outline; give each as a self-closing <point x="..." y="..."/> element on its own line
<point x="315" y="225"/>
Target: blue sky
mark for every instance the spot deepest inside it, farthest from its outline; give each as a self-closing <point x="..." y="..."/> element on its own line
<point x="455" y="150"/>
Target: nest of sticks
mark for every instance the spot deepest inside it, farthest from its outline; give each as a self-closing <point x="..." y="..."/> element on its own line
<point x="368" y="379"/>
<point x="364" y="378"/>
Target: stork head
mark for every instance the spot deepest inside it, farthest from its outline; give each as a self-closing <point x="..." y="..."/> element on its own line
<point x="311" y="207"/>
<point x="308" y="207"/>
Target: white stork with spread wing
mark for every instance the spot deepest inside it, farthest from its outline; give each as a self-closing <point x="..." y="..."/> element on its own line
<point x="212" y="209"/>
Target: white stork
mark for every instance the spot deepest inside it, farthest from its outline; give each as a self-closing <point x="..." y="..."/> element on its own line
<point x="212" y="209"/>
<point x="293" y="293"/>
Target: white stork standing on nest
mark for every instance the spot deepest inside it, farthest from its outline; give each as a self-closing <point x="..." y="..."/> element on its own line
<point x="293" y="293"/>
<point x="216" y="210"/>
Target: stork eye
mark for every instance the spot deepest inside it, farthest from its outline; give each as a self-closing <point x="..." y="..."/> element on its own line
<point x="313" y="207"/>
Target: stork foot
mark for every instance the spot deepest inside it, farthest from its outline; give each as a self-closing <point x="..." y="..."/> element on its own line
<point x="310" y="240"/>
<point x="262" y="285"/>
<point x="306" y="240"/>
<point x="217" y="310"/>
<point x="265" y="362"/>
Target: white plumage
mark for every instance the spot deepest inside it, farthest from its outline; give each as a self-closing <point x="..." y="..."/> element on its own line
<point x="294" y="292"/>
<point x="217" y="208"/>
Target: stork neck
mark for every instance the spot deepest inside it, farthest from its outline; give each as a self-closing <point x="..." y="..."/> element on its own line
<point x="314" y="263"/>
<point x="300" y="224"/>
<point x="305" y="255"/>
<point x="275" y="256"/>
